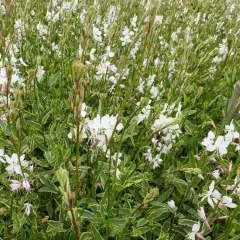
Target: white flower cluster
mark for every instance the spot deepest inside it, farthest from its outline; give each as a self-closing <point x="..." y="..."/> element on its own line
<point x="15" y="166"/>
<point x="128" y="34"/>
<point x="148" y="84"/>
<point x="155" y="161"/>
<point x="221" y="143"/>
<point x="98" y="130"/>
<point x="165" y="131"/>
<point x="56" y="10"/>
<point x="213" y="197"/>
<point x="145" y="112"/>
<point x="223" y="51"/>
<point x="105" y="70"/>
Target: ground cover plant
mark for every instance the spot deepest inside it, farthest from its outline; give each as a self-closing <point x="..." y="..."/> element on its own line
<point x="118" y="120"/>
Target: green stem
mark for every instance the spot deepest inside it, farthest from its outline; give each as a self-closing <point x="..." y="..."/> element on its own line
<point x="77" y="163"/>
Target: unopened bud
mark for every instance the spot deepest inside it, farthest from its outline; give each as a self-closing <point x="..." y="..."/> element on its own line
<point x="192" y="170"/>
<point x="2" y="210"/>
<point x="77" y="98"/>
<point x="9" y="73"/>
<point x="78" y="70"/>
<point x="151" y="195"/>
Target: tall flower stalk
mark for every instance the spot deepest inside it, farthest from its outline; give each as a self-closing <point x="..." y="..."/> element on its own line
<point x="78" y="69"/>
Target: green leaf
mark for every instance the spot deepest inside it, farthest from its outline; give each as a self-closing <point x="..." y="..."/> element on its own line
<point x="130" y="132"/>
<point x="83" y="213"/>
<point x="54" y="227"/>
<point x="237" y="237"/>
<point x="141" y="222"/>
<point x="96" y="234"/>
<point x="45" y="117"/>
<point x="189" y="127"/>
<point x="164" y="196"/>
<point x="135" y="180"/>
<point x="186" y="222"/>
<point x="117" y="225"/>
<point x="159" y="214"/>
<point x="86" y="236"/>
<point x="53" y="79"/>
<point x="166" y="225"/>
<point x="35" y="125"/>
<point x="48" y="185"/>
<point x="140" y="231"/>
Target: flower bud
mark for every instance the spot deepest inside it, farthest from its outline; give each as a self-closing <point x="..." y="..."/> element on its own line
<point x="78" y="70"/>
<point x="9" y="73"/>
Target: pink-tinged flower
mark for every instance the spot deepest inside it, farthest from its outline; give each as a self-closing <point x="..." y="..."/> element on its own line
<point x="195" y="232"/>
<point x="26" y="185"/>
<point x="212" y="195"/>
<point x="230" y="166"/>
<point x="202" y="215"/>
<point x="15" y="185"/>
<point x="227" y="202"/>
<point x="208" y="142"/>
<point x="28" y="208"/>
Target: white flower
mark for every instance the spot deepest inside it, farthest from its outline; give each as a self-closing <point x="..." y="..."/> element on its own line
<point x="202" y="215"/>
<point x="2" y="155"/>
<point x="216" y="174"/>
<point x="174" y="36"/>
<point x="208" y="142"/>
<point x="26" y="185"/>
<point x="83" y="112"/>
<point x="97" y="34"/>
<point x="99" y="130"/>
<point x="148" y="155"/>
<point x="134" y="21"/>
<point x="28" y="208"/>
<point x="162" y="122"/>
<point x="154" y="92"/>
<point x="227" y="202"/>
<point x="42" y="30"/>
<point x="212" y="195"/>
<point x="171" y="204"/>
<point x="195" y="232"/>
<point x="3" y="75"/>
<point x="157" y="161"/>
<point x="91" y="54"/>
<point x="119" y="127"/>
<point x="221" y="145"/>
<point x="158" y="19"/>
<point x="223" y="48"/>
<point x="126" y="36"/>
<point x="109" y="53"/>
<point x="145" y="112"/>
<point x="13" y="166"/>
<point x="70" y="135"/>
<point x="40" y="73"/>
<point x="15" y="185"/>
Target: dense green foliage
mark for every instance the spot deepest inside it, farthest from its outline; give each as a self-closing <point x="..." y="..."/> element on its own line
<point x="105" y="109"/>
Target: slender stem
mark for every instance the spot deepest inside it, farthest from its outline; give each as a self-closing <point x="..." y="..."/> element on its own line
<point x="77" y="163"/>
<point x="75" y="226"/>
